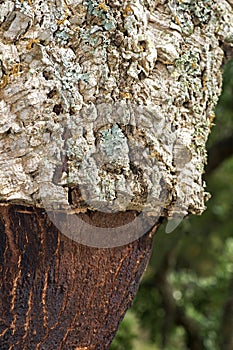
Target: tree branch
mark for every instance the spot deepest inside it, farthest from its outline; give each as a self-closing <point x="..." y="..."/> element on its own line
<point x="218" y="153"/>
<point x="174" y="314"/>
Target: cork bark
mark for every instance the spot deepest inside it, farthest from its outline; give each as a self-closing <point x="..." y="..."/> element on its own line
<point x="116" y="97"/>
<point x="105" y="109"/>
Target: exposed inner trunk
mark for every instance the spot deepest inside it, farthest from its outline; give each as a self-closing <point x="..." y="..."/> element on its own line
<point x="58" y="294"/>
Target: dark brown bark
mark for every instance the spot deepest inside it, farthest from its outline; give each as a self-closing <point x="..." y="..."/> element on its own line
<point x="58" y="294"/>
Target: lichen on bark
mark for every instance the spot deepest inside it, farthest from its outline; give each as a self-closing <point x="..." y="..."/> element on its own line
<point x="115" y="97"/>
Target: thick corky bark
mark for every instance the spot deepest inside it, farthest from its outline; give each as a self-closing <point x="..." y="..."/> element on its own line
<point x="57" y="294"/>
<point x="117" y="97"/>
<point x="104" y="107"/>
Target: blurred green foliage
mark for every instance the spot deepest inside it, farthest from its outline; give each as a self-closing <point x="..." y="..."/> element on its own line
<point x="203" y="265"/>
<point x="126" y="333"/>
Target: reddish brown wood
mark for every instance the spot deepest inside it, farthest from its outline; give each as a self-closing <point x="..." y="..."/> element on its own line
<point x="58" y="294"/>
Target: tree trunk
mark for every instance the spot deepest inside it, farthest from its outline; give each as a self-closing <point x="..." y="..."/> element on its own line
<point x="104" y="114"/>
<point x="58" y="294"/>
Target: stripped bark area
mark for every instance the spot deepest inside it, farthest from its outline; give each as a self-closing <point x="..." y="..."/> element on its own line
<point x="58" y="294"/>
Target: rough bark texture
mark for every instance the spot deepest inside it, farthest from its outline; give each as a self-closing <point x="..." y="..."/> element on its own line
<point x="57" y="294"/>
<point x="117" y="97"/>
<point x="113" y="100"/>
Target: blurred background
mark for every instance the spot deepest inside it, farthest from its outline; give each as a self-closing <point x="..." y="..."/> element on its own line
<point x="185" y="300"/>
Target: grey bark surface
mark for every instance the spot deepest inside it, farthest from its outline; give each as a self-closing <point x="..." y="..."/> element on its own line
<point x="78" y="77"/>
<point x="105" y="107"/>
